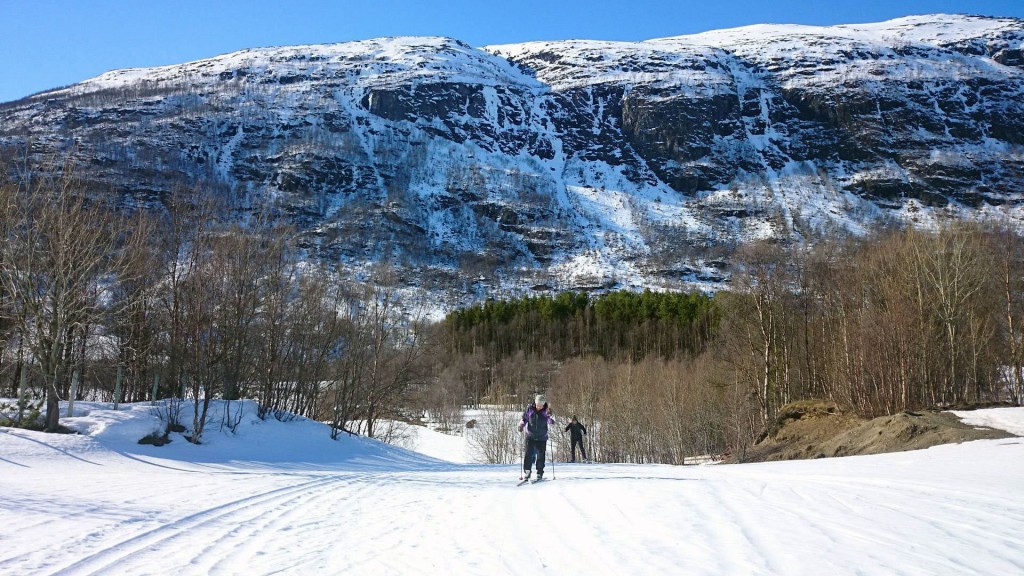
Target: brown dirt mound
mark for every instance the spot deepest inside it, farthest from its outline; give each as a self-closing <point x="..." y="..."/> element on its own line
<point x="819" y="429"/>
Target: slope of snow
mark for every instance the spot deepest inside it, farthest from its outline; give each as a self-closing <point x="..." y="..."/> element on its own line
<point x="281" y="497"/>
<point x="1000" y="419"/>
<point x="589" y="62"/>
<point x="803" y="55"/>
<point x="931" y="29"/>
<point x="940" y="29"/>
<point x="376" y="62"/>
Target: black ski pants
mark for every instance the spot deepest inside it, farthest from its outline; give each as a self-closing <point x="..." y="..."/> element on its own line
<point x="583" y="451"/>
<point x="535" y="449"/>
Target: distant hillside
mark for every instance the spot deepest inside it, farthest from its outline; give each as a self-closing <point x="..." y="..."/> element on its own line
<point x="566" y="165"/>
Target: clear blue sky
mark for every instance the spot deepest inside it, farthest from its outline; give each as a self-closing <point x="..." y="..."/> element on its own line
<point x="50" y="43"/>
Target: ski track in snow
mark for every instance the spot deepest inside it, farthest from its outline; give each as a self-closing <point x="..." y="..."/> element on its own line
<point x="460" y="521"/>
<point x="145" y="548"/>
<point x="74" y="505"/>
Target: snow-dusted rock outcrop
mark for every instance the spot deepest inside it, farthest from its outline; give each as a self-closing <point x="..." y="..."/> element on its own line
<point x="568" y="164"/>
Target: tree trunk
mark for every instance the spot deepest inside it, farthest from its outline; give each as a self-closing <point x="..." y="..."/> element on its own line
<point x="52" y="408"/>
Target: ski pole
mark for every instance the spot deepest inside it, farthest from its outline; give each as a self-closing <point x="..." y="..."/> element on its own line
<point x="523" y="460"/>
<point x="552" y="459"/>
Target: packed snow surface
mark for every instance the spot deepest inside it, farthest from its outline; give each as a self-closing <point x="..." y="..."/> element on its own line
<point x="281" y="497"/>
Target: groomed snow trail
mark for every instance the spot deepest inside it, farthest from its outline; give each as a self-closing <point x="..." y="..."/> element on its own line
<point x="73" y="506"/>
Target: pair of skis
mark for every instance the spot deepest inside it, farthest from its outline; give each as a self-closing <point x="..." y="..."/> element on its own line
<point x="533" y="481"/>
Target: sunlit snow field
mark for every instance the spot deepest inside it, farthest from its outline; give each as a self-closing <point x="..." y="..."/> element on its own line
<point x="282" y="497"/>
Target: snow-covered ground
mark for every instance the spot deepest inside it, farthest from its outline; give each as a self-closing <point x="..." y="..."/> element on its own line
<point x="281" y="497"/>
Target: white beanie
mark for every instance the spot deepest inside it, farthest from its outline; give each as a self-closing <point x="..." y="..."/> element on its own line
<point x="540" y="399"/>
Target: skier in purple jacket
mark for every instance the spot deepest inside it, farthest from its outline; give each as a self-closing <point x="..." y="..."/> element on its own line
<point x="535" y="420"/>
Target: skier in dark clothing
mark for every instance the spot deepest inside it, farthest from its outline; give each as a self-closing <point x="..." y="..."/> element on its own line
<point x="576" y="432"/>
<point x="535" y="420"/>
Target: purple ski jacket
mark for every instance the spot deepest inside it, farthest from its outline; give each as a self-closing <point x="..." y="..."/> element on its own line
<point x="536" y="422"/>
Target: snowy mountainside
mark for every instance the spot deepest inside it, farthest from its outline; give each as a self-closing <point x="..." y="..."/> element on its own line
<point x="572" y="164"/>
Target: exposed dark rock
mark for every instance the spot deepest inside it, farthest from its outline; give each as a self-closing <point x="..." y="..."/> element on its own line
<point x="514" y="157"/>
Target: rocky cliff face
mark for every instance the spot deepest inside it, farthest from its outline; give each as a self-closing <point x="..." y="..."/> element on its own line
<point x="570" y="164"/>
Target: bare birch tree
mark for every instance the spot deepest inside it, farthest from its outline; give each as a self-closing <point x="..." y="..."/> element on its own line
<point x="59" y="246"/>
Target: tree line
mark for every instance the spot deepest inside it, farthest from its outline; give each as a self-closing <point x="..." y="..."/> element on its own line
<point x="619" y="324"/>
<point x="100" y="303"/>
<point x="897" y="319"/>
<point x="182" y="303"/>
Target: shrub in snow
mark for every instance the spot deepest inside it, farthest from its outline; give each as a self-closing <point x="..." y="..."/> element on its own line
<point x="155" y="439"/>
<point x="168" y="411"/>
<point x="28" y="416"/>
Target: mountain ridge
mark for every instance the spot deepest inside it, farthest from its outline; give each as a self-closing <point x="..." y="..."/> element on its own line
<point x="573" y="164"/>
